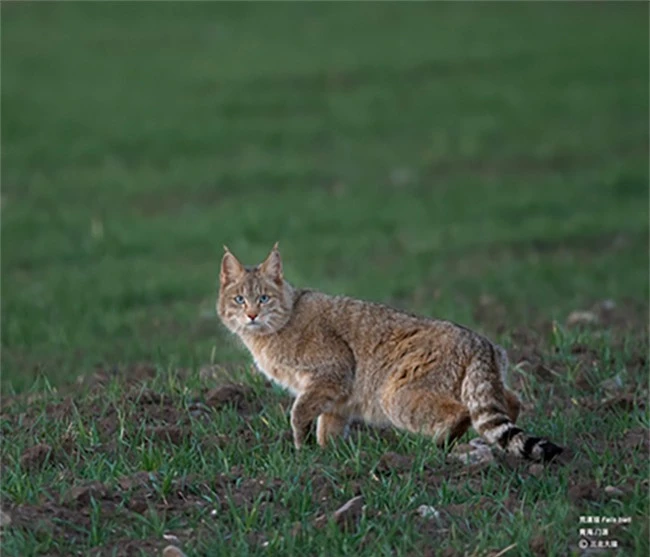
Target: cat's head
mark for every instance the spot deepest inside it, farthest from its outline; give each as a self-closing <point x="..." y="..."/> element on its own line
<point x="254" y="300"/>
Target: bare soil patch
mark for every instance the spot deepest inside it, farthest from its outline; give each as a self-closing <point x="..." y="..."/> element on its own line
<point x="165" y="420"/>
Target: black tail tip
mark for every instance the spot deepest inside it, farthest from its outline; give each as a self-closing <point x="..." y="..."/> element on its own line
<point x="549" y="451"/>
<point x="536" y="448"/>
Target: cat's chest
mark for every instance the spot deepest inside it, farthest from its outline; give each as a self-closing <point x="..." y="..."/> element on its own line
<point x="287" y="374"/>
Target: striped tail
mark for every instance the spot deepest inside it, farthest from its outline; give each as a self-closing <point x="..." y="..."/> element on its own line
<point x="486" y="401"/>
<point x="497" y="429"/>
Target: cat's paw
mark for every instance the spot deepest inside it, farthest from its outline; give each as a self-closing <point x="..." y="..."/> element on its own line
<point x="299" y="435"/>
<point x="298" y="440"/>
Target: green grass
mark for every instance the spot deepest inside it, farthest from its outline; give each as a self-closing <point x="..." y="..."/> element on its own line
<point x="484" y="163"/>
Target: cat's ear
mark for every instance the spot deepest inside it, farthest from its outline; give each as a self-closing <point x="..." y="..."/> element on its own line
<point x="272" y="266"/>
<point x="231" y="268"/>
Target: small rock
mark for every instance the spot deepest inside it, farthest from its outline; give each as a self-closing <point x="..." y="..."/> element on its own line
<point x="171" y="538"/>
<point x="612" y="491"/>
<point x="5" y="519"/>
<point x="427" y="511"/>
<point x="172" y="551"/>
<point x="536" y="470"/>
<point x="581" y="318"/>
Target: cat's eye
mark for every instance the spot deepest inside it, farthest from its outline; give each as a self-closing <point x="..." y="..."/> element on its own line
<point x="264" y="298"/>
<point x="239" y="299"/>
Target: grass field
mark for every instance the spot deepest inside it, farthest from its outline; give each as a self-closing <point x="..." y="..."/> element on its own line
<point x="485" y="163"/>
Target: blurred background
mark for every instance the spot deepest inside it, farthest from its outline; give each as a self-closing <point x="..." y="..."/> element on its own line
<point x="485" y="163"/>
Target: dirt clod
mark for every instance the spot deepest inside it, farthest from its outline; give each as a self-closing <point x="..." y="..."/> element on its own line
<point x="538" y="546"/>
<point x="172" y="434"/>
<point x="636" y="439"/>
<point x="584" y="491"/>
<point x="395" y="462"/>
<point x="146" y="396"/>
<point x="231" y="393"/>
<point x="138" y="505"/>
<point x="35" y="457"/>
<point x="83" y="494"/>
<point x="139" y="479"/>
<point x="172" y="551"/>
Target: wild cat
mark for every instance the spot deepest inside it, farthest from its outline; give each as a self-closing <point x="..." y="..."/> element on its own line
<point x="347" y="359"/>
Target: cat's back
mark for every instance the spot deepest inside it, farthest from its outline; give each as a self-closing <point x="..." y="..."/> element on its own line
<point x="373" y="328"/>
<point x="346" y="316"/>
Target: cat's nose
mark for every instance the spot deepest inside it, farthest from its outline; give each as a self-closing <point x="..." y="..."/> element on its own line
<point x="252" y="316"/>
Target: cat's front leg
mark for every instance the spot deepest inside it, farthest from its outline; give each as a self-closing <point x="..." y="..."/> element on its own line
<point x="319" y="399"/>
<point x="330" y="426"/>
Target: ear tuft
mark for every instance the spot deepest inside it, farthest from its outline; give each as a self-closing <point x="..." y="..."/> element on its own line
<point x="272" y="266"/>
<point x="231" y="268"/>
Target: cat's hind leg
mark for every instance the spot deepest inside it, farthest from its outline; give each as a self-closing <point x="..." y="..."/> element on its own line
<point x="416" y="409"/>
